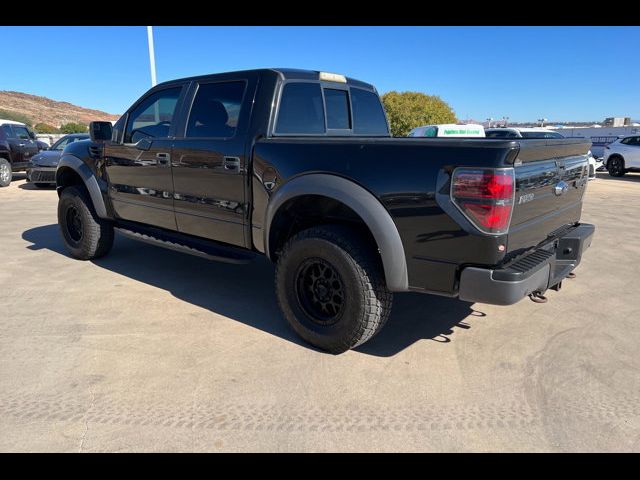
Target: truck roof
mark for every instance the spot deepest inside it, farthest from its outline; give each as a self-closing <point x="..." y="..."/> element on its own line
<point x="12" y="122"/>
<point x="285" y="73"/>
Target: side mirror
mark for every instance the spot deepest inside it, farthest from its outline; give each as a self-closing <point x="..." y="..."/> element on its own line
<point x="100" y="131"/>
<point x="143" y="144"/>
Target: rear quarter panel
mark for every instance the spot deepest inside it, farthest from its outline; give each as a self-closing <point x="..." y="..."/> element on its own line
<point x="404" y="174"/>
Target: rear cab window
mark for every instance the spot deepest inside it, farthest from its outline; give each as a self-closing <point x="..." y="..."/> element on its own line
<point x="314" y="108"/>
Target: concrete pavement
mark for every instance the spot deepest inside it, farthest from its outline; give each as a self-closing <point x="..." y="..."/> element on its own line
<point x="154" y="350"/>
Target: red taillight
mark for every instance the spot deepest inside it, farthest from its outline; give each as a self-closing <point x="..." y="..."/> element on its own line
<point x="485" y="197"/>
<point x="479" y="184"/>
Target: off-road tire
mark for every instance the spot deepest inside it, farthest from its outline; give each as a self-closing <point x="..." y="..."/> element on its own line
<point x="96" y="235"/>
<point x="5" y="167"/>
<point x="366" y="300"/>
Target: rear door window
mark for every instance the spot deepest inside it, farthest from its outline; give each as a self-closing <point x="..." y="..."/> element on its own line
<point x="301" y="110"/>
<point x="215" y="110"/>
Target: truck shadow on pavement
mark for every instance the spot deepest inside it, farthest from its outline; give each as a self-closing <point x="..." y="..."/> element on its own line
<point x="31" y="186"/>
<point x="246" y="293"/>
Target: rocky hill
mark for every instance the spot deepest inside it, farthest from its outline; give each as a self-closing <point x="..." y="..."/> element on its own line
<point x="44" y="110"/>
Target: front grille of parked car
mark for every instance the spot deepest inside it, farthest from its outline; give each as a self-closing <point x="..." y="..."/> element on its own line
<point x="43" y="176"/>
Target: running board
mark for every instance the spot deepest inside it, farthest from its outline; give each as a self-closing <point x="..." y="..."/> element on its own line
<point x="217" y="253"/>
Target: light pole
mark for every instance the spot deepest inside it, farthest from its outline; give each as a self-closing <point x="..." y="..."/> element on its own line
<point x="542" y="120"/>
<point x="152" y="56"/>
<point x="489" y="120"/>
<point x="506" y="121"/>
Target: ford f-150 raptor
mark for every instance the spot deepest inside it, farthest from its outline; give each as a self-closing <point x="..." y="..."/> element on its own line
<point x="300" y="166"/>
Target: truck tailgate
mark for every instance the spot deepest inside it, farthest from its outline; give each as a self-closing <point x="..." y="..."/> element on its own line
<point x="551" y="178"/>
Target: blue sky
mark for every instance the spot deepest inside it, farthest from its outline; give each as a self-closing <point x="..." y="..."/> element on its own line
<point x="561" y="73"/>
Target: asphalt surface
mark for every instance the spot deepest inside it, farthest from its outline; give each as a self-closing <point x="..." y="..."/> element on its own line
<point x="154" y="350"/>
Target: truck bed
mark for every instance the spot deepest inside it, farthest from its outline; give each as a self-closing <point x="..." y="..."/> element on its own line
<point x="411" y="178"/>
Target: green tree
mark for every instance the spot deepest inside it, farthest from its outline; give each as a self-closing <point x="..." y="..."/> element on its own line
<point x="408" y="110"/>
<point x="73" y="127"/>
<point x="45" y="128"/>
<point x="16" y="117"/>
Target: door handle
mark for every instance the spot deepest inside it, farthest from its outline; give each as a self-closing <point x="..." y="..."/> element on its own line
<point x="21" y="144"/>
<point x="231" y="163"/>
<point x="163" y="159"/>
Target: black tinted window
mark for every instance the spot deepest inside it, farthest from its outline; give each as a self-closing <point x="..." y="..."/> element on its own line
<point x="153" y="117"/>
<point x="301" y="109"/>
<point x="60" y="144"/>
<point x="368" y="115"/>
<point x="540" y="135"/>
<point x="21" y="132"/>
<point x="337" y="102"/>
<point x="501" y="134"/>
<point x="7" y="130"/>
<point x="216" y="110"/>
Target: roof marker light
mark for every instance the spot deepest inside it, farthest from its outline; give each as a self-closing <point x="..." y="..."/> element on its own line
<point x="333" y="77"/>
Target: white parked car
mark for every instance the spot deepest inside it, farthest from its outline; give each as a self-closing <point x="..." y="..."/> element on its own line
<point x="594" y="164"/>
<point x="623" y="156"/>
<point x="515" y="132"/>
<point x="538" y="132"/>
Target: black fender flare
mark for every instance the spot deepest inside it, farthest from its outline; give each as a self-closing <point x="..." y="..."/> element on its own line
<point x="361" y="201"/>
<point x="89" y="179"/>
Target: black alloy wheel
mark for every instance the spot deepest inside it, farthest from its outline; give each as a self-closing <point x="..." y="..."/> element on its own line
<point x="320" y="291"/>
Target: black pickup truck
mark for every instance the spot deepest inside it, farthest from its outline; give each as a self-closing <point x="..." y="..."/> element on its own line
<point x="17" y="145"/>
<point x="299" y="166"/>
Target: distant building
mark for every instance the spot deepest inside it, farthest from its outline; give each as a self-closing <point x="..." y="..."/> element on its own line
<point x="617" y="122"/>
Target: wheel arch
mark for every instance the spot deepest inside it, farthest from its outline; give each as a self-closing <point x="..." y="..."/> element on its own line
<point x="73" y="171"/>
<point x="365" y="205"/>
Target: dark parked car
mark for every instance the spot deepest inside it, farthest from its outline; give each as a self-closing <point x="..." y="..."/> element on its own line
<point x="17" y="146"/>
<point x="42" y="171"/>
<point x="42" y="145"/>
<point x="299" y="166"/>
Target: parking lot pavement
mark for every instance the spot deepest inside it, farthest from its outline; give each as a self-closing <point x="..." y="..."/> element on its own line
<point x="154" y="350"/>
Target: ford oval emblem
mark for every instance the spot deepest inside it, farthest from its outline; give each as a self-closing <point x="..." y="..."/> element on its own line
<point x="561" y="187"/>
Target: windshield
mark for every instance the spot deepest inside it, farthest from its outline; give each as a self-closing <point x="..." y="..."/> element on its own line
<point x="64" y="141"/>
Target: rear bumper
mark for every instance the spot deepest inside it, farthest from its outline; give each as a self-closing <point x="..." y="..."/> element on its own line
<point x="536" y="272"/>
